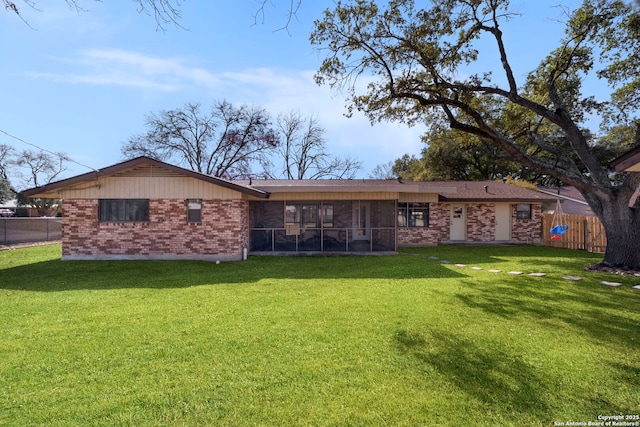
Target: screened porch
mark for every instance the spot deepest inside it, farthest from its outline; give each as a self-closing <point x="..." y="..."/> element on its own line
<point x="323" y="226"/>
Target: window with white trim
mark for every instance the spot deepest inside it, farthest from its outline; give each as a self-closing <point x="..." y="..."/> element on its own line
<point x="413" y="214"/>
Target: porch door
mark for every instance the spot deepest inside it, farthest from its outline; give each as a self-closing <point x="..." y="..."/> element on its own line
<point x="361" y="225"/>
<point x="458" y="229"/>
<point x="503" y="222"/>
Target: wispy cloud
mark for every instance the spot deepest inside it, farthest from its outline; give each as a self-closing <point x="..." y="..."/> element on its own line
<point x="277" y="90"/>
<point x="118" y="67"/>
<point x="285" y="90"/>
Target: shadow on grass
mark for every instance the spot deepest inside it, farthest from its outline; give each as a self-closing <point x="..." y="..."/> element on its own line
<point x="489" y="375"/>
<point x="607" y="315"/>
<point x="57" y="275"/>
<point x="528" y="256"/>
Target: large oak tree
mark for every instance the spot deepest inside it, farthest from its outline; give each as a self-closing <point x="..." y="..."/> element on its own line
<point x="425" y="60"/>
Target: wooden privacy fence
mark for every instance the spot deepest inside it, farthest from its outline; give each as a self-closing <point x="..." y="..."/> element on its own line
<point x="584" y="233"/>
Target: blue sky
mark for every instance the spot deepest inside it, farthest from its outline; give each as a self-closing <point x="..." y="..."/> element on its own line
<point x="82" y="83"/>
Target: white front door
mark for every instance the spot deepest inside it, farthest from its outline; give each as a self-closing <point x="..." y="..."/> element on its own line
<point x="361" y="221"/>
<point x="503" y="222"/>
<point x="458" y="229"/>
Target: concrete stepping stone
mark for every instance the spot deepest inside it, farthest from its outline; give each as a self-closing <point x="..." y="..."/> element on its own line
<point x="572" y="278"/>
<point x="434" y="257"/>
<point x="461" y="265"/>
<point x="637" y="287"/>
<point x="537" y="274"/>
<point x="476" y="268"/>
<point x="612" y="284"/>
<point x="515" y="273"/>
<point x="444" y="261"/>
<point x="494" y="271"/>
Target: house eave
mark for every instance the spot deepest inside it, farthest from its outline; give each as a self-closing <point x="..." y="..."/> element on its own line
<point x="52" y="188"/>
<point x="628" y="162"/>
<point x="320" y="187"/>
<point x="445" y="199"/>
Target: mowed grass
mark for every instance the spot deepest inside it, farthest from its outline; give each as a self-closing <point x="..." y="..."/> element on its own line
<point x="381" y="340"/>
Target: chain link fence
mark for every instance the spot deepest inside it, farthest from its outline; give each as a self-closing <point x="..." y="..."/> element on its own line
<point x="27" y="230"/>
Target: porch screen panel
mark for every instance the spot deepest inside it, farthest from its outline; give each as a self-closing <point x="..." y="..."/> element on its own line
<point x="261" y="240"/>
<point x="383" y="239"/>
<point x="342" y="213"/>
<point x="383" y="213"/>
<point x="266" y="214"/>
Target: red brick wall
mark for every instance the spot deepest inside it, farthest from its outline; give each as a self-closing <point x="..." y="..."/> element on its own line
<point x="481" y="225"/>
<point x="437" y="231"/>
<point x="222" y="234"/>
<point x="527" y="230"/>
<point x="481" y="222"/>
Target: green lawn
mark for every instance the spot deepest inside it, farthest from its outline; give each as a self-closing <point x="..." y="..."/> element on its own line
<point x="380" y="340"/>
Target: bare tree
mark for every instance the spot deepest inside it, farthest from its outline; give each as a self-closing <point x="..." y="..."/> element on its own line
<point x="6" y="192"/>
<point x="226" y="142"/>
<point x="37" y="169"/>
<point x="6" y="153"/>
<point x="303" y="151"/>
<point x="294" y="7"/>
<point x="383" y="171"/>
<point x="164" y="11"/>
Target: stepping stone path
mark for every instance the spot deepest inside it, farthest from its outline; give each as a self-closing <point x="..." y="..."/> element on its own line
<point x="518" y="273"/>
<point x="612" y="284"/>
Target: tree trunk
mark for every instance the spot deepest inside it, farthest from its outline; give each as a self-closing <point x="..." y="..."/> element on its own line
<point x="622" y="227"/>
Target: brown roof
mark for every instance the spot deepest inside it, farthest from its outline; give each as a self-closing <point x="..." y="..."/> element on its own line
<point x="111" y="170"/>
<point x="628" y="162"/>
<point x="573" y="202"/>
<point x="468" y="191"/>
<point x="495" y="191"/>
<point x="347" y="185"/>
<point x="462" y="191"/>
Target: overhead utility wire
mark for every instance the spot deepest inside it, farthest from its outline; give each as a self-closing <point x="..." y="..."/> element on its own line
<point x="48" y="151"/>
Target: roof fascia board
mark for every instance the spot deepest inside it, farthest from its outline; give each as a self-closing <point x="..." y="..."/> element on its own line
<point x="110" y="170"/>
<point x="627" y="160"/>
<point x="500" y="199"/>
<point x="561" y="196"/>
<point x="319" y="187"/>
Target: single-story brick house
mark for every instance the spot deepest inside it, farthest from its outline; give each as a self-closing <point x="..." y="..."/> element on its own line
<point x="147" y="209"/>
